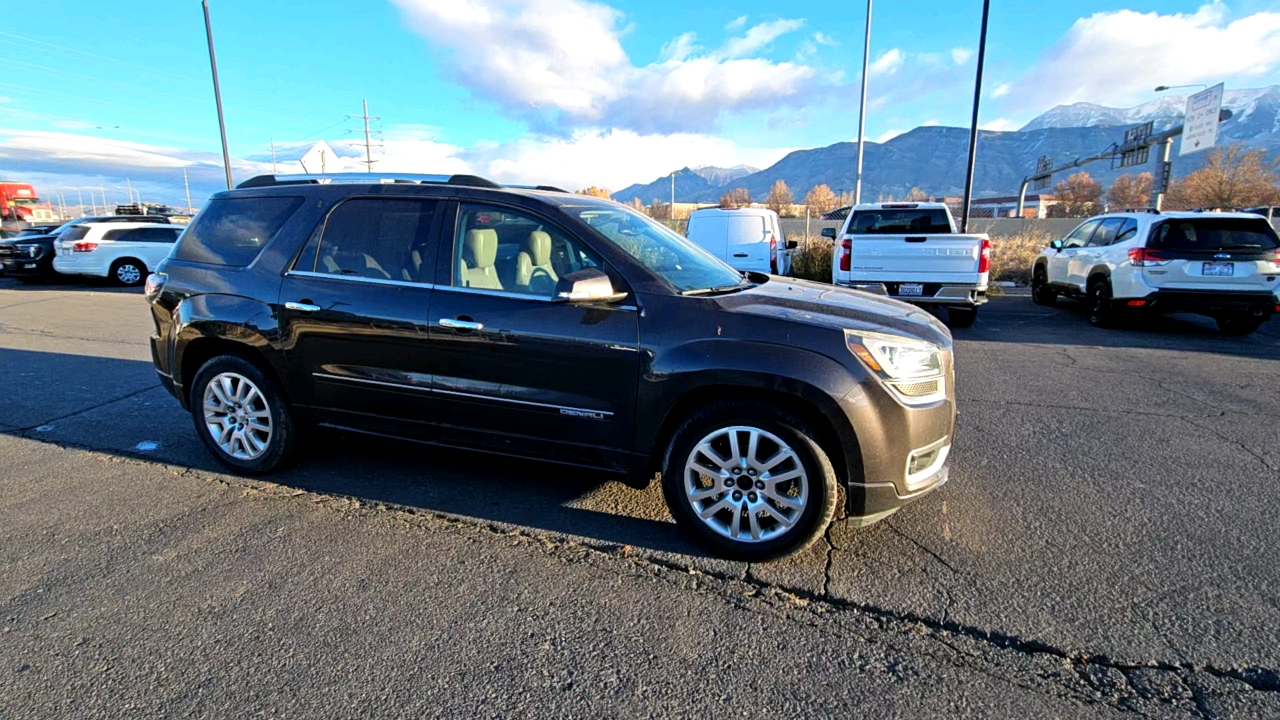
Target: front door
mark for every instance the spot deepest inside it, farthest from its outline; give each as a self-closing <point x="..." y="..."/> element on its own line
<point x="354" y="311"/>
<point x="1087" y="257"/>
<point x="514" y="370"/>
<point x="1059" y="262"/>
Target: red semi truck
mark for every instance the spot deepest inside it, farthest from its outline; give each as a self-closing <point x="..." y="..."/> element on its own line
<point x="19" y="204"/>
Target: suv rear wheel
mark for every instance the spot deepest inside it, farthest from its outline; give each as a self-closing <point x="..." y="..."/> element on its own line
<point x="961" y="317"/>
<point x="1240" y="324"/>
<point x="128" y="272"/>
<point x="749" y="480"/>
<point x="1101" y="311"/>
<point x="242" y="416"/>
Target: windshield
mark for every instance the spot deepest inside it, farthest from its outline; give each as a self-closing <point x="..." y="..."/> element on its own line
<point x="1214" y="235"/>
<point x="26" y="201"/>
<point x="689" y="268"/>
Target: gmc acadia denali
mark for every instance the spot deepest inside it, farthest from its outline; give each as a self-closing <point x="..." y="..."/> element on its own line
<point x="546" y="325"/>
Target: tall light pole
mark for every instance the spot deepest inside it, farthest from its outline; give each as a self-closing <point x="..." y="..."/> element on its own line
<point x="862" y="108"/>
<point x="187" y="186"/>
<point x="1162" y="88"/>
<point x="80" y="202"/>
<point x="973" y="126"/>
<point x="273" y="160"/>
<point x="217" y="93"/>
<point x="671" y="214"/>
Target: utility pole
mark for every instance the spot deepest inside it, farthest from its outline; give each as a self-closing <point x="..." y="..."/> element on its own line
<point x="1163" y="168"/>
<point x="368" y="147"/>
<point x="129" y="186"/>
<point x="217" y="93"/>
<point x="671" y="214"/>
<point x="80" y="202"/>
<point x="973" y="127"/>
<point x="187" y="186"/>
<point x="103" y="188"/>
<point x="273" y="160"/>
<point x="862" y="108"/>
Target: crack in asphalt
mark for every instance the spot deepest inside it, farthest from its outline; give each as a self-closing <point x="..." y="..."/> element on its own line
<point x="1111" y="411"/>
<point x="6" y="330"/>
<point x="1231" y="441"/>
<point x="24" y="430"/>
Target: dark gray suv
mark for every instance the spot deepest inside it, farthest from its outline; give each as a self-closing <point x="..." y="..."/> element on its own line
<point x="552" y="326"/>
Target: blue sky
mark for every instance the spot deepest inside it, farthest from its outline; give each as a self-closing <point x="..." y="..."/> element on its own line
<point x="574" y="92"/>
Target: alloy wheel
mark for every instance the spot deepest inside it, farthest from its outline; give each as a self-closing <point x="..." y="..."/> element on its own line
<point x="237" y="416"/>
<point x="128" y="274"/>
<point x="746" y="484"/>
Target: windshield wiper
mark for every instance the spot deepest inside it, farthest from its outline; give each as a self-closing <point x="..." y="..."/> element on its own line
<point x="721" y="289"/>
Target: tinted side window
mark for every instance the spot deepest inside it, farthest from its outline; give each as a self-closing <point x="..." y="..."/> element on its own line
<point x="1106" y="232"/>
<point x="115" y="235"/>
<point x="900" y="222"/>
<point x="153" y="235"/>
<point x="378" y="238"/>
<point x="1081" y="235"/>
<point x="1127" y="231"/>
<point x="233" y="231"/>
<point x="510" y="251"/>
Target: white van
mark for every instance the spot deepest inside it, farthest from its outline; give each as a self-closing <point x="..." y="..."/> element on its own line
<point x="123" y="252"/>
<point x="746" y="238"/>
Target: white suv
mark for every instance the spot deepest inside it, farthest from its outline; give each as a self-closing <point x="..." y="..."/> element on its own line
<point x="122" y="252"/>
<point x="1224" y="265"/>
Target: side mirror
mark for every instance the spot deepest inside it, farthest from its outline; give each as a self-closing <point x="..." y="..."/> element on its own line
<point x="792" y="244"/>
<point x="1056" y="244"/>
<point x="829" y="233"/>
<point x="587" y="286"/>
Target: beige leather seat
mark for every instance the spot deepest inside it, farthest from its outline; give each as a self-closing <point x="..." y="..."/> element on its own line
<point x="479" y="252"/>
<point x="534" y="272"/>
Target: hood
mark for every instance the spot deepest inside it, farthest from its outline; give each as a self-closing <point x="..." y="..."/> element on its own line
<point x="837" y="308"/>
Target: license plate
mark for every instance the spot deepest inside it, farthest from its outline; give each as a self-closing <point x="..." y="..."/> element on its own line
<point x="911" y="289"/>
<point x="1212" y="269"/>
<point x="29" y="266"/>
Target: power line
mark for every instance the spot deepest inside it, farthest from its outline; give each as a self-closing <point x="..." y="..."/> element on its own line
<point x="77" y="51"/>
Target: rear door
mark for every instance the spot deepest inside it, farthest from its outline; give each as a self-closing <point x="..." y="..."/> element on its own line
<point x="354" y="312"/>
<point x="748" y="242"/>
<point x="1089" y="256"/>
<point x="153" y="244"/>
<point x="710" y="231"/>
<point x="1212" y="253"/>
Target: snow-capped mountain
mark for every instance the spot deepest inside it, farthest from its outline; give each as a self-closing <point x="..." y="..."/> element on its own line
<point x="720" y="176"/>
<point x="1165" y="111"/>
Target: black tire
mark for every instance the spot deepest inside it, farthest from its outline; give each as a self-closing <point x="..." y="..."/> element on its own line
<point x="961" y="317"/>
<point x="1102" y="311"/>
<point x="1240" y="324"/>
<point x="808" y="522"/>
<point x="128" y="272"/>
<point x="32" y="279"/>
<point x="1041" y="293"/>
<point x="282" y="439"/>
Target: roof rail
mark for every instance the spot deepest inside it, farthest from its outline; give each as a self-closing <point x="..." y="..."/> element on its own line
<point x="1139" y="210"/>
<point x="367" y="179"/>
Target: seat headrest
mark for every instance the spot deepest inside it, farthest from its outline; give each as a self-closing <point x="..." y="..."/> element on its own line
<point x="539" y="247"/>
<point x="480" y="248"/>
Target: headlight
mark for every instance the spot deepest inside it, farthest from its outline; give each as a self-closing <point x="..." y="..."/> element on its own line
<point x="913" y="369"/>
<point x="29" y="250"/>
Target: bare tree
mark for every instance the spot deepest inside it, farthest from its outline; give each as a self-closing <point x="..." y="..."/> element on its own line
<point x="737" y="197"/>
<point x="780" y="198"/>
<point x="916" y="195"/>
<point x="1077" y="196"/>
<point x="637" y="205"/>
<point x="659" y="210"/>
<point x="820" y="199"/>
<point x="594" y="191"/>
<point x="1232" y="177"/>
<point x="1130" y="191"/>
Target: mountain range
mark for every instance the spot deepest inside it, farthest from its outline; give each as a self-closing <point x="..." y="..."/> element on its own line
<point x="933" y="158"/>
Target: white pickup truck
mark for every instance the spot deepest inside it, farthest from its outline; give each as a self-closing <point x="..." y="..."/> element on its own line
<point x="912" y="252"/>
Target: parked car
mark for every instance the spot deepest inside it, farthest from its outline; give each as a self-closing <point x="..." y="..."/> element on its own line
<point x="123" y="252"/>
<point x="1223" y="265"/>
<point x="29" y="257"/>
<point x="550" y="326"/>
<point x="914" y="253"/>
<point x="837" y="214"/>
<point x="749" y="239"/>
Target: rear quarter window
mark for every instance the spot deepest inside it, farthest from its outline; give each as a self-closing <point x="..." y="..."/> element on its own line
<point x="1214" y="235"/>
<point x="233" y="231"/>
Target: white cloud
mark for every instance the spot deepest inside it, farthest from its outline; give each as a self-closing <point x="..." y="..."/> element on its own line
<point x="929" y="123"/>
<point x="889" y="62"/>
<point x="757" y="38"/>
<point x="736" y="24"/>
<point x="886" y="137"/>
<point x="560" y="63"/>
<point x="1001" y="90"/>
<point x="1117" y="57"/>
<point x="680" y="47"/>
<point x="824" y="39"/>
<point x="961" y="55"/>
<point x="998" y="125"/>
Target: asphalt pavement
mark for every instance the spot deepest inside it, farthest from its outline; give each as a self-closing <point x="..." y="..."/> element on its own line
<point x="1107" y="544"/>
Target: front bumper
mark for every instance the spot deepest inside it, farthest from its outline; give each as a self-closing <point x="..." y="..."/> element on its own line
<point x="1209" y="301"/>
<point x="19" y="266"/>
<point x="931" y="293"/>
<point x="889" y="433"/>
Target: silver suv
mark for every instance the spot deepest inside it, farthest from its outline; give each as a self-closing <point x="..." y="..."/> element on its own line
<point x="1224" y="265"/>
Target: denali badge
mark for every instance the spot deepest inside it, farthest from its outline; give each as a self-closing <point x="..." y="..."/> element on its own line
<point x="589" y="414"/>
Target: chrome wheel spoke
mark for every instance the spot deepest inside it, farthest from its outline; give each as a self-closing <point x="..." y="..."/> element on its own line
<point x="742" y="484"/>
<point x="237" y="416"/>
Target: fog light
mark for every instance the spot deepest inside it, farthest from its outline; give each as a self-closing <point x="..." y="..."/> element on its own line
<point x="924" y="463"/>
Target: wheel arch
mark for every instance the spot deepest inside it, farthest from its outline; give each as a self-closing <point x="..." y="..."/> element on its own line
<point x="1096" y="273"/>
<point x="212" y="325"/>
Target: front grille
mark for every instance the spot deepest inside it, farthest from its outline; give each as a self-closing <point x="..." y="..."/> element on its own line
<point x="7" y="251"/>
<point x="921" y="388"/>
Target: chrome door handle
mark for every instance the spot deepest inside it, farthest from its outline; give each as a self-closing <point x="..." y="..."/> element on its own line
<point x="302" y="307"/>
<point x="460" y="324"/>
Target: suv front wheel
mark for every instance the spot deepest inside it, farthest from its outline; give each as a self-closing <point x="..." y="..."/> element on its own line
<point x="749" y="480"/>
<point x="242" y="416"/>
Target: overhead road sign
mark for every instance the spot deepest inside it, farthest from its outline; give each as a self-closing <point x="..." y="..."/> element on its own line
<point x="1200" y="126"/>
